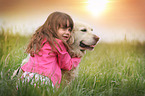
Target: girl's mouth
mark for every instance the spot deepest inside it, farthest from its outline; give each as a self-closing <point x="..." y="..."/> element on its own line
<point x="66" y="37"/>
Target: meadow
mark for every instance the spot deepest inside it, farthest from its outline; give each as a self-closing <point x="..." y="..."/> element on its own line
<point x="112" y="69"/>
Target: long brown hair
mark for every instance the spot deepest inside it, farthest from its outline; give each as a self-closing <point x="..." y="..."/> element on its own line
<point x="48" y="31"/>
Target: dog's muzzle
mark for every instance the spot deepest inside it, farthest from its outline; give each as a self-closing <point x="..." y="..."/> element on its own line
<point x="91" y="46"/>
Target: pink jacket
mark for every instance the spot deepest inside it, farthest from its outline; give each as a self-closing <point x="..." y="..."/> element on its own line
<point x="50" y="63"/>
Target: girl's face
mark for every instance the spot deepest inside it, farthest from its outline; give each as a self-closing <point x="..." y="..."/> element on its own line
<point x="64" y="33"/>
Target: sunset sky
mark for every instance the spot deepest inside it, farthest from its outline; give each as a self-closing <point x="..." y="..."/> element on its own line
<point x="111" y="19"/>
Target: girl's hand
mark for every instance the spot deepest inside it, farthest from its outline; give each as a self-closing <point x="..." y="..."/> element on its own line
<point x="73" y="55"/>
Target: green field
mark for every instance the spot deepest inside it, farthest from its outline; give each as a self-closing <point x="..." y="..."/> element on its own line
<point x="112" y="69"/>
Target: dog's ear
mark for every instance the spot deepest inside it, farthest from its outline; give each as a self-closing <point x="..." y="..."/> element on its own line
<point x="71" y="40"/>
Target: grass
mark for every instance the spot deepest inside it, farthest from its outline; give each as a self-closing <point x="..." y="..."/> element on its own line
<point x="112" y="69"/>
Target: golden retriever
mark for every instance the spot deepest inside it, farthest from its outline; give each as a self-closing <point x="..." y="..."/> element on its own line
<point x="82" y="39"/>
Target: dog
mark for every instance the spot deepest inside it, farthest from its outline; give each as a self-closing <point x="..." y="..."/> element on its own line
<point x="81" y="39"/>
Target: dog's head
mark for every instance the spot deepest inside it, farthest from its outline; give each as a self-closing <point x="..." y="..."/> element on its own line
<point x="82" y="38"/>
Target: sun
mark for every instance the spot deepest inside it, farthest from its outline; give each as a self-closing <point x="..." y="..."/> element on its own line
<point x="96" y="7"/>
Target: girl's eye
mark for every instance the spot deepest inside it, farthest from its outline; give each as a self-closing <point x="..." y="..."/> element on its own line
<point x="63" y="28"/>
<point x="84" y="30"/>
<point x="69" y="30"/>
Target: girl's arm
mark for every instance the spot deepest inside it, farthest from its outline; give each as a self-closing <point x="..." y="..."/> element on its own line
<point x="66" y="62"/>
<point x="64" y="59"/>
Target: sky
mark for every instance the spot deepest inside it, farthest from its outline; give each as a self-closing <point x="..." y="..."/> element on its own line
<point x="112" y="20"/>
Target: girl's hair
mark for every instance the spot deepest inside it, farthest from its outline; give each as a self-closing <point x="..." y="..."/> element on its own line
<point x="48" y="31"/>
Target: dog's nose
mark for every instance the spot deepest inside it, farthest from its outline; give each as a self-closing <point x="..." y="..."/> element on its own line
<point x="96" y="38"/>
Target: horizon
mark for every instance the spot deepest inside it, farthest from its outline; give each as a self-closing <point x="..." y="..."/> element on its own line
<point x="116" y="20"/>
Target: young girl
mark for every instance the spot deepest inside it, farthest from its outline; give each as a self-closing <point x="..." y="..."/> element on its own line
<point x="49" y="50"/>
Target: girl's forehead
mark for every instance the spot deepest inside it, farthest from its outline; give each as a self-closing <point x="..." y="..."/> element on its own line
<point x="65" y="24"/>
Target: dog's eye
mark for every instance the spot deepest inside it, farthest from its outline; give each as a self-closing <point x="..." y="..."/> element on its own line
<point x="84" y="30"/>
<point x="91" y="29"/>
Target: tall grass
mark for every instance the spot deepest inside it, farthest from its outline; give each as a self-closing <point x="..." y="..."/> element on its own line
<point x="112" y="69"/>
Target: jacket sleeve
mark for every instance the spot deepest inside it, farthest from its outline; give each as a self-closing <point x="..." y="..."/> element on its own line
<point x="64" y="59"/>
<point x="66" y="62"/>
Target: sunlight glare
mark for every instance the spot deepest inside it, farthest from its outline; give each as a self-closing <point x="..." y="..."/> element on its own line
<point x="96" y="7"/>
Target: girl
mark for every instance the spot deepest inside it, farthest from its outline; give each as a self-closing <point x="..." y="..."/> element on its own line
<point x="49" y="50"/>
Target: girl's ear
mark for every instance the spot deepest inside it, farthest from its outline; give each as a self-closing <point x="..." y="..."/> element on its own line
<point x="71" y="40"/>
